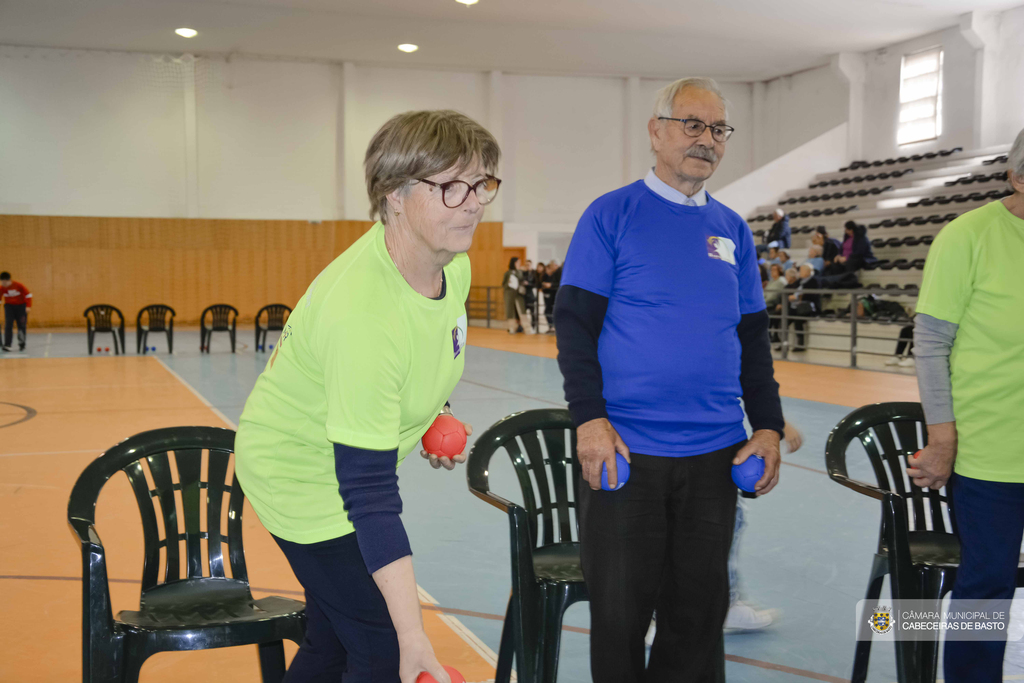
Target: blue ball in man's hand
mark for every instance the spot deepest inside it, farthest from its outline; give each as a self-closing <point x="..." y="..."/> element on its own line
<point x="748" y="473"/>
<point x="621" y="471"/>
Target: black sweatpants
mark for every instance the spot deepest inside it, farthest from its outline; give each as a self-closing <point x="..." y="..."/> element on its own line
<point x="348" y="626"/>
<point x="660" y="542"/>
<point x="15" y="313"/>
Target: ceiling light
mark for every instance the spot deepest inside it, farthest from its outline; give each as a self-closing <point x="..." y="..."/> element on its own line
<point x="467" y="3"/>
<point x="408" y="47"/>
<point x="186" y="32"/>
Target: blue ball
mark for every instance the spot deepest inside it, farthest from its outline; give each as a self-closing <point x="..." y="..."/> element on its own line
<point x="271" y="346"/>
<point x="622" y="472"/>
<point x="749" y="473"/>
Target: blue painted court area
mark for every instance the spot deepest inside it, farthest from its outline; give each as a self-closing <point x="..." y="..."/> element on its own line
<point x="806" y="550"/>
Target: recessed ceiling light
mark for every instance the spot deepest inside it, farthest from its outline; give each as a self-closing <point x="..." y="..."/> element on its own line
<point x="186" y="32"/>
<point x="468" y="2"/>
<point x="408" y="47"/>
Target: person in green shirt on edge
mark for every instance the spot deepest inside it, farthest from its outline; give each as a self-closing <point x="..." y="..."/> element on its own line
<point x="365" y="364"/>
<point x="969" y="344"/>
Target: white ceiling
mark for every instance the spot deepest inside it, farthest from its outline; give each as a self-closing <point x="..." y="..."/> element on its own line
<point x="728" y="39"/>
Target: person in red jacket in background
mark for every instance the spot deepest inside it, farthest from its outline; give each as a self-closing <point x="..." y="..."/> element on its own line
<point x="17" y="303"/>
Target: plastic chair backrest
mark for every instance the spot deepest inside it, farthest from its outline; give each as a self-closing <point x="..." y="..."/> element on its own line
<point x="542" y="446"/>
<point x="102" y="317"/>
<point x="156" y="315"/>
<point x="890" y="433"/>
<point x="165" y="452"/>
<point x="220" y="317"/>
<point x="276" y="314"/>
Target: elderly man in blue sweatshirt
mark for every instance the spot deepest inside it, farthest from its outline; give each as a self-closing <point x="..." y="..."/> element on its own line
<point x="662" y="329"/>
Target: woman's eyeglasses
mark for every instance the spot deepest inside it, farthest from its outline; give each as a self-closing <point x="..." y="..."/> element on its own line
<point x="454" y="193"/>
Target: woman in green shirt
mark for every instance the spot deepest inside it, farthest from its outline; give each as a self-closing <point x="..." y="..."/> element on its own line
<point x="366" y="362"/>
<point x="969" y="346"/>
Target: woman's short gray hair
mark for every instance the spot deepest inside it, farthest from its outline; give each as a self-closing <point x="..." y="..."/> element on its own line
<point x="1016" y="160"/>
<point x="666" y="97"/>
<point x="792" y="272"/>
<point x="418" y="144"/>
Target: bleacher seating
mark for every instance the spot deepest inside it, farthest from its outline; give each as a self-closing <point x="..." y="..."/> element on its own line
<point x="899" y="207"/>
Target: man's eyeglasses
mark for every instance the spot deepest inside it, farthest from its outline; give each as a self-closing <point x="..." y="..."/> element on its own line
<point x="454" y="193"/>
<point x="695" y="128"/>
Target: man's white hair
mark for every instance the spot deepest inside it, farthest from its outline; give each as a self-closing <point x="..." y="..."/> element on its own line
<point x="808" y="266"/>
<point x="1016" y="161"/>
<point x="792" y="273"/>
<point x="666" y="97"/>
<point x="814" y="251"/>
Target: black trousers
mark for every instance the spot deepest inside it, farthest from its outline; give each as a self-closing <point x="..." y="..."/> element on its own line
<point x="15" y="313"/>
<point x="906" y="342"/>
<point x="349" y="634"/>
<point x="660" y="542"/>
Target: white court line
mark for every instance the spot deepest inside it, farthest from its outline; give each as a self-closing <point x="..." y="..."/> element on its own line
<point x="457" y="626"/>
<point x="15" y="455"/>
<point x="202" y="398"/>
<point x="31" y="486"/>
<point x="460" y="629"/>
<point x="49" y="337"/>
<point x="87" y="386"/>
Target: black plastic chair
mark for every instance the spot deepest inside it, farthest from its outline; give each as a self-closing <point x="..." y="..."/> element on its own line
<point x="223" y="318"/>
<point x="546" y="573"/>
<point x="189" y="611"/>
<point x="100" y="318"/>
<point x="922" y="553"/>
<point x="276" y="316"/>
<point x="159" y="318"/>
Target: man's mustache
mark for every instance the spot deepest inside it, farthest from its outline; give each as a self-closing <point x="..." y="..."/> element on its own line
<point x="702" y="152"/>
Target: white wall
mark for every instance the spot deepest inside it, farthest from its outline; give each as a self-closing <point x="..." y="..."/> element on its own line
<point x="1008" y="110"/>
<point x="94" y="133"/>
<point x="882" y="96"/>
<point x="792" y="110"/>
<point x="91" y="133"/>
<point x="266" y="139"/>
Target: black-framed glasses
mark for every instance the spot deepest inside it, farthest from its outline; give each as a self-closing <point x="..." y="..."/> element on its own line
<point x="454" y="193"/>
<point x="695" y="128"/>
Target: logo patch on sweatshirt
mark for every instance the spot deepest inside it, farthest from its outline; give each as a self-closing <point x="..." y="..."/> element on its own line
<point x="722" y="248"/>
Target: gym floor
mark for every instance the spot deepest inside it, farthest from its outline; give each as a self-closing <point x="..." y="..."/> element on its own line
<point x="806" y="551"/>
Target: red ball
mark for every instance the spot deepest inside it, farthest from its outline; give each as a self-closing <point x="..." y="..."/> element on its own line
<point x="446" y="437"/>
<point x="452" y="673"/>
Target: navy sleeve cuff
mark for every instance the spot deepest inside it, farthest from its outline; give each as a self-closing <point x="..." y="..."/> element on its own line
<point x="757" y="374"/>
<point x="368" y="484"/>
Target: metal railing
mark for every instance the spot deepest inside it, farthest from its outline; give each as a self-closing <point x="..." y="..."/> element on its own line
<point x="488" y="303"/>
<point x="785" y="317"/>
<point x="485" y="302"/>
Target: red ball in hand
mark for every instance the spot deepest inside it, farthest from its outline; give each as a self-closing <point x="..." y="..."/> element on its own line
<point x="446" y="437"/>
<point x="452" y="673"/>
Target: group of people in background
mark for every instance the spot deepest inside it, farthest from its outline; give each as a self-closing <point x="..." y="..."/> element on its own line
<point x="830" y="264"/>
<point x="529" y="293"/>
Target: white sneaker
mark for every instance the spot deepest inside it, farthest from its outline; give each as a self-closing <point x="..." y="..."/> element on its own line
<point x="908" y="362"/>
<point x="743" y="617"/>
<point x="649" y="638"/>
<point x="895" y="360"/>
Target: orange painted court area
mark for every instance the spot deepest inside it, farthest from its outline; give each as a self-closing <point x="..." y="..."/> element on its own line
<point x="81" y="407"/>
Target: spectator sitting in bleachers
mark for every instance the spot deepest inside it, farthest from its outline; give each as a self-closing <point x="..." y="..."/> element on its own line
<point x="815" y="259"/>
<point x="779" y="235"/>
<point x="785" y="261"/>
<point x="788" y="279"/>
<point x="856" y="249"/>
<point x="804" y="304"/>
<point x="829" y="246"/>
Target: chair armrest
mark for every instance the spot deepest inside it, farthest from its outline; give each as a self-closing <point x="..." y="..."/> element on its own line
<point x="492" y="499"/>
<point x="859" y="486"/>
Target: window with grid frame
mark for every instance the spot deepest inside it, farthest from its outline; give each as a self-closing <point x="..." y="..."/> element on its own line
<point x="920" y="96"/>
